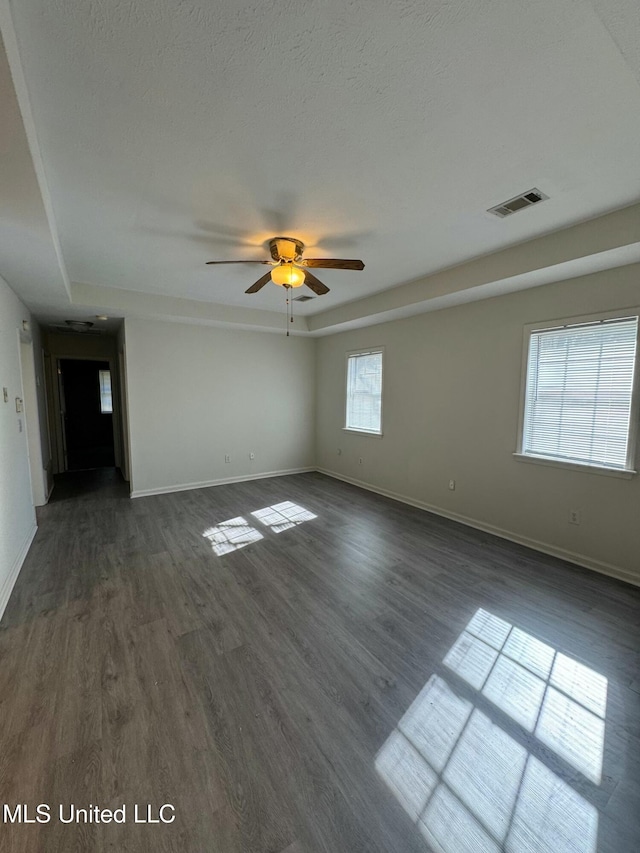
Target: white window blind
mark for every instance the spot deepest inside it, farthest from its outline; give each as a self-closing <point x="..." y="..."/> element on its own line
<point x="578" y="393"/>
<point x="106" y="402"/>
<point x="364" y="392"/>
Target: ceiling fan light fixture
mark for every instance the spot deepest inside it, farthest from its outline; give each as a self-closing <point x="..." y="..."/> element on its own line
<point x="289" y="269"/>
<point x="287" y="275"/>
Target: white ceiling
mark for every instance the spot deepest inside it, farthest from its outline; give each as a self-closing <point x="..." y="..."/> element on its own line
<point x="171" y="133"/>
<point x="28" y="254"/>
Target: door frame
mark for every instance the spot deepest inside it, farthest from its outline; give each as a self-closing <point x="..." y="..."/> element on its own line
<point x="56" y="422"/>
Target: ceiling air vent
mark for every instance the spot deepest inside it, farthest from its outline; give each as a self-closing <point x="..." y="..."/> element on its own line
<point x="303" y="298"/>
<point x="520" y="202"/>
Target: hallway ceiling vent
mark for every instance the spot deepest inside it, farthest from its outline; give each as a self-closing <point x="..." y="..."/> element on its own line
<point x="520" y="202"/>
<point x="303" y="298"/>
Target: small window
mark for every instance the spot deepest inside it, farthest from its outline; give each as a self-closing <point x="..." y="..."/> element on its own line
<point x="364" y="392"/>
<point x="106" y="403"/>
<point x="578" y="394"/>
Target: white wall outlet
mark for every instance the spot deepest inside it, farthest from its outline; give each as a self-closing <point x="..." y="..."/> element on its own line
<point x="452" y="485"/>
<point x="574" y="516"/>
<point x="227" y="458"/>
<point x="252" y="455"/>
<point x="18" y="405"/>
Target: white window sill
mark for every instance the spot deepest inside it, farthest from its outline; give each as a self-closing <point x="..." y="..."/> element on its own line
<point x="622" y="473"/>
<point x="362" y="432"/>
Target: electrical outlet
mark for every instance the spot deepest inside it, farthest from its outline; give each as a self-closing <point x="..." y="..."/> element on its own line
<point x="252" y="455"/>
<point x="360" y="460"/>
<point x="452" y="485"/>
<point x="574" y="516"/>
<point x="227" y="458"/>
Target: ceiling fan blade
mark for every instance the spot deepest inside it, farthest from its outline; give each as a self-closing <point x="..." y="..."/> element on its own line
<point x="332" y="264"/>
<point x="315" y="284"/>
<point x="260" y="283"/>
<point x="238" y="262"/>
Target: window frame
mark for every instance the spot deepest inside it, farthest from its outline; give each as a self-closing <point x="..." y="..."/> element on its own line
<point x="351" y="354"/>
<point x="630" y="468"/>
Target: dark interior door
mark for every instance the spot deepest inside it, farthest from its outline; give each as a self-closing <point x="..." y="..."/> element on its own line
<point x="87" y="414"/>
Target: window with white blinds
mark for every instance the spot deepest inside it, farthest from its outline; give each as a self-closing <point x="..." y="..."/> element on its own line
<point x="364" y="392"/>
<point x="578" y="394"/>
<point x="106" y="401"/>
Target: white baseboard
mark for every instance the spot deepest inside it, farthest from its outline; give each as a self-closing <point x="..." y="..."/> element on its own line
<point x="553" y="551"/>
<point x="186" y="487"/>
<point x="14" y="571"/>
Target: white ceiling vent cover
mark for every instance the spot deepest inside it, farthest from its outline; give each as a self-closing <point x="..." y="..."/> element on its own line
<point x="303" y="298"/>
<point x="520" y="202"/>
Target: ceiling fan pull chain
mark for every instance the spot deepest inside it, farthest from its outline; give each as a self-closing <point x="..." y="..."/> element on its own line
<point x="287" y="300"/>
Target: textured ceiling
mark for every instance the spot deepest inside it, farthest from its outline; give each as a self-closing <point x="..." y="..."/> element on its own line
<point x="175" y="132"/>
<point x="28" y="257"/>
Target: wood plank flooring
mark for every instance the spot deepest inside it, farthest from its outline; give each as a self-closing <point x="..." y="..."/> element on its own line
<point x="336" y="673"/>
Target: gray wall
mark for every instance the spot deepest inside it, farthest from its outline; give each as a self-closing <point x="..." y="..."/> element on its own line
<point x="451" y="404"/>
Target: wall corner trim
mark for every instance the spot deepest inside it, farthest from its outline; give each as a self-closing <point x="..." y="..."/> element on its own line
<point x="569" y="556"/>
<point x="14" y="571"/>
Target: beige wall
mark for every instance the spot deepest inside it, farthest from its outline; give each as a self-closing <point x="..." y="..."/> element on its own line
<point x="451" y="404"/>
<point x="196" y="393"/>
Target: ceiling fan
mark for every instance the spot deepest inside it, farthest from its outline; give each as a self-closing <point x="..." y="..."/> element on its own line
<point x="291" y="270"/>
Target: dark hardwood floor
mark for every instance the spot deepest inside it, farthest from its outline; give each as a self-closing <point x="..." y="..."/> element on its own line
<point x="299" y="666"/>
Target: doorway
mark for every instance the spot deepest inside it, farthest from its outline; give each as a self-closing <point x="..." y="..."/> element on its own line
<point x="86" y="404"/>
<point x="37" y="439"/>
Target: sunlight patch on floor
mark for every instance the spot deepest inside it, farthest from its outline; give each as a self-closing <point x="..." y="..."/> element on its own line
<point x="236" y="533"/>
<point x="466" y="782"/>
<point x="283" y="516"/>
<point x="231" y="535"/>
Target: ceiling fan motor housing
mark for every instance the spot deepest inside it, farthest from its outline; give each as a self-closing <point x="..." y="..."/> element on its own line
<point x="286" y="249"/>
